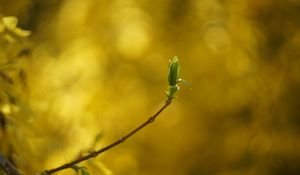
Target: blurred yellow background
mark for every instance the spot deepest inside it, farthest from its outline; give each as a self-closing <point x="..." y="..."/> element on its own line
<point x="98" y="68"/>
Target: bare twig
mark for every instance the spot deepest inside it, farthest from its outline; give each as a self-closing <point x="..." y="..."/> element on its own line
<point x="110" y="146"/>
<point x="8" y="167"/>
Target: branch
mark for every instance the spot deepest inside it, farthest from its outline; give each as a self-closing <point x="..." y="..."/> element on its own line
<point x="110" y="146"/>
<point x="8" y="167"/>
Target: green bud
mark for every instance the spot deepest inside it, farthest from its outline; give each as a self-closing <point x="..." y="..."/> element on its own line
<point x="173" y="74"/>
<point x="173" y="78"/>
<point x="172" y="91"/>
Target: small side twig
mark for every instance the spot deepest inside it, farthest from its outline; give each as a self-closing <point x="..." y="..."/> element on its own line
<point x="110" y="146"/>
<point x="8" y="167"/>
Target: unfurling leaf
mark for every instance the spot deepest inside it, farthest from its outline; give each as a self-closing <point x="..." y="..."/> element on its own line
<point x="173" y="74"/>
<point x="174" y="78"/>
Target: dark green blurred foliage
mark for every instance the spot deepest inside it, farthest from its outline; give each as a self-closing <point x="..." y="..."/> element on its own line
<point x="100" y="67"/>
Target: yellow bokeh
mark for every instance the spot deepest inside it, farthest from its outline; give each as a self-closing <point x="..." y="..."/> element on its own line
<point x="92" y="70"/>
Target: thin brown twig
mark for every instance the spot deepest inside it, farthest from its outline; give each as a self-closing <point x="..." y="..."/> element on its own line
<point x="110" y="146"/>
<point x="8" y="167"/>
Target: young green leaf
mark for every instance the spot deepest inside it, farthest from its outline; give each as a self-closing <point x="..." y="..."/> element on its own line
<point x="174" y="78"/>
<point x="173" y="74"/>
